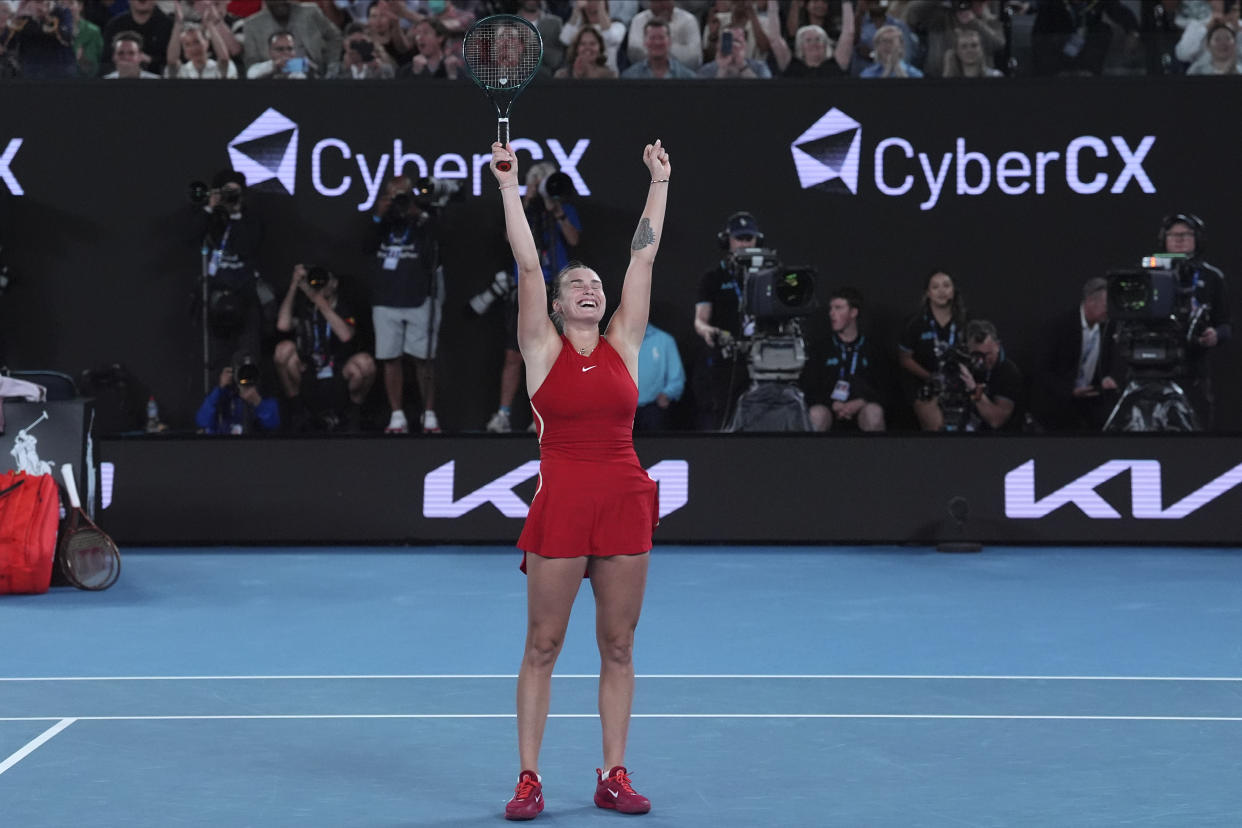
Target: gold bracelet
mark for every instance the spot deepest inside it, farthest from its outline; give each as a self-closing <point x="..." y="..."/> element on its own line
<point x="661" y="181"/>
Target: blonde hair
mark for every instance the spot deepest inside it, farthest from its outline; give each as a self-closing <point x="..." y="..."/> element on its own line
<point x="804" y="34"/>
<point x="893" y="66"/>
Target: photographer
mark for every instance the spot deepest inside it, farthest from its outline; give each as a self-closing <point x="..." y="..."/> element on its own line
<point x="1074" y="387"/>
<point x="407" y="297"/>
<point x="362" y="58"/>
<point x="991" y="382"/>
<point x="1184" y="233"/>
<point x="230" y="236"/>
<point x="928" y="336"/>
<point x="324" y="376"/>
<point x="719" y="377"/>
<point x="235" y="406"/>
<point x="841" y="379"/>
<point x="556" y="227"/>
<point x="41" y="35"/>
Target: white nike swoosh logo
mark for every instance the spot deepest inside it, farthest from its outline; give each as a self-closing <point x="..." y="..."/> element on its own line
<point x="588" y="368"/>
<point x="614" y="793"/>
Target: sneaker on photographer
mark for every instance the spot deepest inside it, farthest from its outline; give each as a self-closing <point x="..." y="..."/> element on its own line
<point x="397" y="424"/>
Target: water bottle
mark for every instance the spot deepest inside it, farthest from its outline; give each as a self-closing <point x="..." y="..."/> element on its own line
<point x="153" y="415"/>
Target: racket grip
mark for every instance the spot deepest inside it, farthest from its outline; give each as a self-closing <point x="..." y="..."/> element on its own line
<point x="502" y="135"/>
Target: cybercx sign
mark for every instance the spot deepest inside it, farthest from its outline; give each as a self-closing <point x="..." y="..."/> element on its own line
<point x="267" y="153"/>
<point x="1146" y="492"/>
<point x="7" y="177"/>
<point x="828" y="156"/>
<point x="439" y="500"/>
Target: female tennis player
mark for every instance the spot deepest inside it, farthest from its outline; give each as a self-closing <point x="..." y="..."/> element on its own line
<point x="595" y="508"/>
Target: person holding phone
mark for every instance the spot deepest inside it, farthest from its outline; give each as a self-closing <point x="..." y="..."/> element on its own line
<point x="731" y="60"/>
<point x="283" y="60"/>
<point x="362" y="58"/>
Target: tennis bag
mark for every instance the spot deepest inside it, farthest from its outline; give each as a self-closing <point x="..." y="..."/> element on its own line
<point x="29" y="514"/>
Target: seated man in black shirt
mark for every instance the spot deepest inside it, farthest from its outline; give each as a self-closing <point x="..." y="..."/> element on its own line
<point x="1074" y="387"/>
<point x="321" y="364"/>
<point x="840" y="377"/>
<point x="993" y="383"/>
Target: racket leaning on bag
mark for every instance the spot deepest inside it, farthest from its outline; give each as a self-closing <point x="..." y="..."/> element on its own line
<point x="502" y="53"/>
<point x="87" y="557"/>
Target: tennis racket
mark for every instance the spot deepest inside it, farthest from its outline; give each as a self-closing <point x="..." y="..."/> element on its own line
<point x="88" y="558"/>
<point x="502" y="53"/>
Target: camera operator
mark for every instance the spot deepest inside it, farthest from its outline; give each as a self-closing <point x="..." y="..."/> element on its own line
<point x="840" y="379"/>
<point x="992" y="383"/>
<point x="1184" y="233"/>
<point x="322" y="361"/>
<point x="41" y="34"/>
<point x="231" y="235"/>
<point x="407" y="298"/>
<point x="235" y="405"/>
<point x="1074" y="387"/>
<point x="556" y="227"/>
<point x="719" y="376"/>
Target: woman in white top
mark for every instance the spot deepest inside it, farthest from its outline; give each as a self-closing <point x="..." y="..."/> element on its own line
<point x="595" y="13"/>
<point x="190" y="40"/>
<point x="1220" y="54"/>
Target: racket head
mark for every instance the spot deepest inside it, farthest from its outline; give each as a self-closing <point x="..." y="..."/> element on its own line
<point x="502" y="54"/>
<point x="88" y="558"/>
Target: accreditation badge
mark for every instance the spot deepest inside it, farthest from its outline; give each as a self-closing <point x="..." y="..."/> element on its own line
<point x="841" y="393"/>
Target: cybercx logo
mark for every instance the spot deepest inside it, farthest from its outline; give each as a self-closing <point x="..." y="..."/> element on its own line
<point x="266" y="152"/>
<point x="829" y="155"/>
<point x="439" y="501"/>
<point x="1146" y="492"/>
<point x="6" y="167"/>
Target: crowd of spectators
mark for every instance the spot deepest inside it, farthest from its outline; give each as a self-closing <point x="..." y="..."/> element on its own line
<point x="400" y="39"/>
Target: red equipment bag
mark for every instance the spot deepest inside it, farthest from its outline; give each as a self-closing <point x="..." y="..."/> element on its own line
<point x="29" y="514"/>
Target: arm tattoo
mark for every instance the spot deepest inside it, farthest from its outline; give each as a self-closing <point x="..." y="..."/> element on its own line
<point x="644" y="236"/>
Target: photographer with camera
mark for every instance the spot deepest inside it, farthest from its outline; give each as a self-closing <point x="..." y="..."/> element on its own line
<point x="407" y="298"/>
<point x="325" y="377"/>
<point x="928" y="336"/>
<point x="841" y="378"/>
<point x="992" y="383"/>
<point x="235" y="405"/>
<point x="1184" y="234"/>
<point x="363" y="58"/>
<point x="40" y="35"/>
<point x="1074" y="387"/>
<point x="555" y="225"/>
<point x="231" y="235"/>
<point x="719" y="376"/>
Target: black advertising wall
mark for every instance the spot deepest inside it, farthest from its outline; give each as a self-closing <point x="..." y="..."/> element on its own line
<point x="1141" y="489"/>
<point x="1077" y="177"/>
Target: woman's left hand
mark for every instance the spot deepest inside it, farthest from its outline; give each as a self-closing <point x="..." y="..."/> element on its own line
<point x="656" y="159"/>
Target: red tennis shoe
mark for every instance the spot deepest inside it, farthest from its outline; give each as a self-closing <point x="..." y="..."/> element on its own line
<point x="527" y="799"/>
<point x="615" y="792"/>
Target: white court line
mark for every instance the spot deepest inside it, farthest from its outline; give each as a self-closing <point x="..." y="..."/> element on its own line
<point x="65" y="722"/>
<point x="34" y="743"/>
<point x="816" y="676"/>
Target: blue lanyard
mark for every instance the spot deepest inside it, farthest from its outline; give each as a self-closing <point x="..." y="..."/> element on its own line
<point x="327" y="330"/>
<point x="845" y="353"/>
<point x="934" y="328"/>
<point x="392" y="237"/>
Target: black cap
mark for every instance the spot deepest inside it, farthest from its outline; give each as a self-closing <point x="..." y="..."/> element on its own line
<point x="742" y="224"/>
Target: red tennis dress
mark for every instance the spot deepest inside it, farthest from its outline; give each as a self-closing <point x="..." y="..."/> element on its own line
<point x="593" y="497"/>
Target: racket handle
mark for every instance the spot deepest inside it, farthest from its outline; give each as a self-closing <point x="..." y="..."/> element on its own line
<point x="71" y="486"/>
<point x="502" y="135"/>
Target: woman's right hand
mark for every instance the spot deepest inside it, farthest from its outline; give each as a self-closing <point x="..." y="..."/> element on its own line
<point x="504" y="153"/>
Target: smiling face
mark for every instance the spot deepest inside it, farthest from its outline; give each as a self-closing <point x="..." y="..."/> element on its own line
<point x="590" y="47"/>
<point x="580" y="296"/>
<point x="940" y="290"/>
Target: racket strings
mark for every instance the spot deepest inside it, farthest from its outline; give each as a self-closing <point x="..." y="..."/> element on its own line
<point x="90" y="558"/>
<point x="502" y="56"/>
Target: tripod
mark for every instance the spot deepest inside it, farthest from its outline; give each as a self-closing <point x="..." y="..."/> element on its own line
<point x="1152" y="403"/>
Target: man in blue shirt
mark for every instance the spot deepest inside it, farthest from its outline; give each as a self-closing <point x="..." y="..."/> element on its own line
<point x="661" y="379"/>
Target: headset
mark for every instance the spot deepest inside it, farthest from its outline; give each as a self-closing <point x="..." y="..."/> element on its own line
<point x="1189" y="219"/>
<point x="722" y="238"/>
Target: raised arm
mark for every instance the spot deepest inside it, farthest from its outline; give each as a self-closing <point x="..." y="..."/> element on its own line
<point x="536" y="335"/>
<point x="845" y="43"/>
<point x="780" y="49"/>
<point x="629" y="322"/>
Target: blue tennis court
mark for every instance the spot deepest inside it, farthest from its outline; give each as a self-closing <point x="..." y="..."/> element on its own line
<point x="804" y="686"/>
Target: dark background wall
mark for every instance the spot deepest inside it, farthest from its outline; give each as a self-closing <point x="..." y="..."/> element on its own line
<point x="106" y="260"/>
